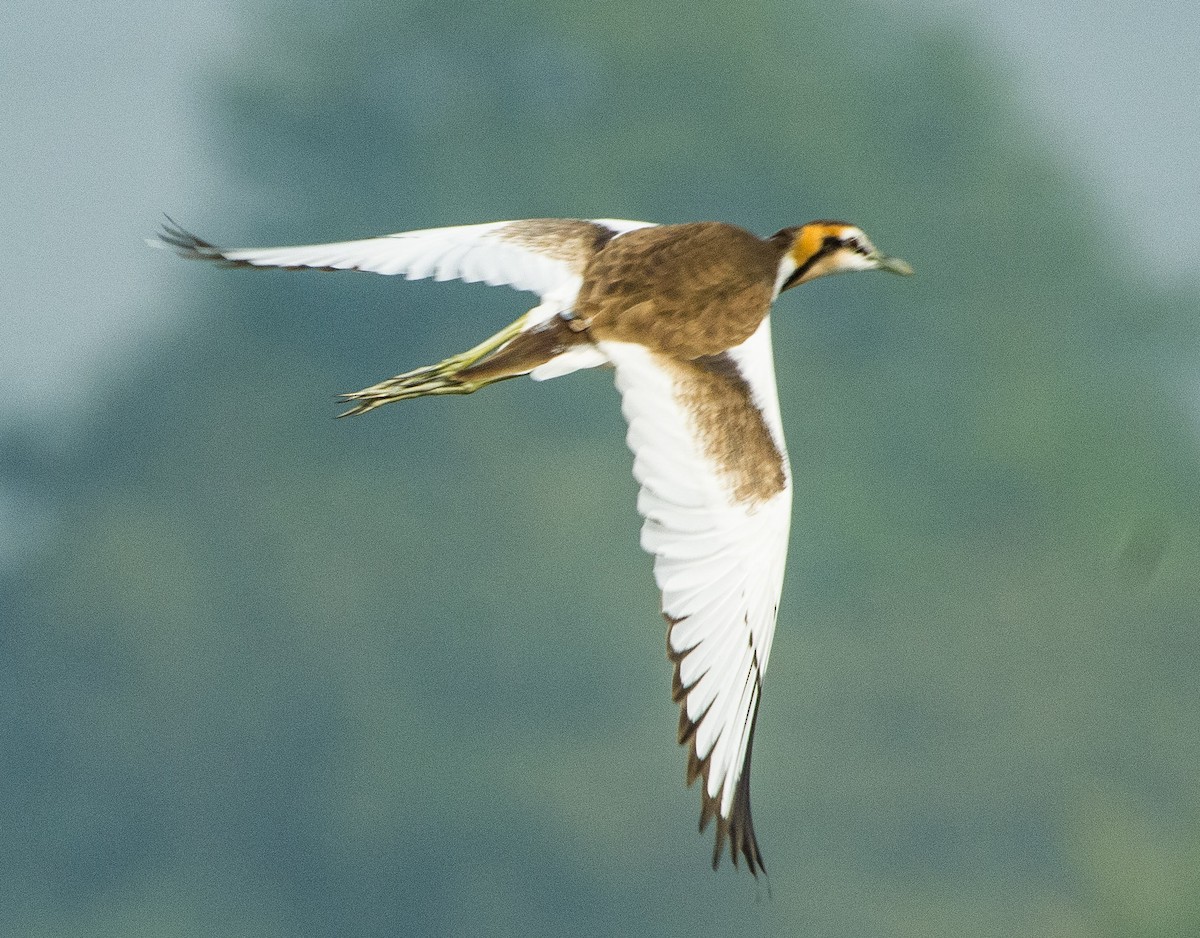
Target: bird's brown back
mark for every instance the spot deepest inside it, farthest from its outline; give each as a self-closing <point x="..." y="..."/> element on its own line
<point x="684" y="291"/>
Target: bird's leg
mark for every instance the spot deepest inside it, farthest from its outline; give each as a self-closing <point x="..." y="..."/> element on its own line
<point x="516" y="350"/>
<point x="446" y="377"/>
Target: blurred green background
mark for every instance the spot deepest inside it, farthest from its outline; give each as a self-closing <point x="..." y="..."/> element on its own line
<point x="264" y="673"/>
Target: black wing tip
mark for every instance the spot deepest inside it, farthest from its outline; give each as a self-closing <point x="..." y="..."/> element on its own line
<point x="172" y="236"/>
<point x="736" y="830"/>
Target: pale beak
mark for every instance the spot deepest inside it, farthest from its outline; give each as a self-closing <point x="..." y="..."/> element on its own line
<point x="891" y="264"/>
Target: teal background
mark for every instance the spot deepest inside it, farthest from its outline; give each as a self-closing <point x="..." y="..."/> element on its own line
<point x="266" y="673"/>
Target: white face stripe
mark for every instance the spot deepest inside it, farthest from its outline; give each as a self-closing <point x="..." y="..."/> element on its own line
<point x="855" y="239"/>
<point x="855" y="253"/>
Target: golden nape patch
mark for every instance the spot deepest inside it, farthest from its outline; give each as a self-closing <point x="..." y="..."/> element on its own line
<point x="810" y="240"/>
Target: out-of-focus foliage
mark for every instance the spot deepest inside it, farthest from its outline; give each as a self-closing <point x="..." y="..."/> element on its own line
<point x="281" y="675"/>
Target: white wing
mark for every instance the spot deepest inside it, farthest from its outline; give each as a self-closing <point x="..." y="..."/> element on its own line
<point x="542" y="256"/>
<point x="718" y="530"/>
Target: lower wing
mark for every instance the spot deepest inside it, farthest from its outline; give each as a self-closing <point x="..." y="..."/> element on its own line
<point x="716" y="497"/>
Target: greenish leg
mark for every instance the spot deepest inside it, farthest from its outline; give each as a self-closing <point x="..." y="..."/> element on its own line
<point x="442" y="378"/>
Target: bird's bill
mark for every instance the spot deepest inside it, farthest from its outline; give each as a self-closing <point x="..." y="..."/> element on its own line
<point x="891" y="264"/>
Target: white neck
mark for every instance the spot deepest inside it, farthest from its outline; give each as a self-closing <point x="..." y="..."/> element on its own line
<point x="787" y="267"/>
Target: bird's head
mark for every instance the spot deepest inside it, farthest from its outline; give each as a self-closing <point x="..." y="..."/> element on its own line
<point x="832" y="247"/>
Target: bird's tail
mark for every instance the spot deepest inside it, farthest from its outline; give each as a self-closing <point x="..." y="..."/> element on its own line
<point x="515" y="350"/>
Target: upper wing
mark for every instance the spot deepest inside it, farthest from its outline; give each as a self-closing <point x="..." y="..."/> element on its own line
<point x="542" y="255"/>
<point x="716" y="495"/>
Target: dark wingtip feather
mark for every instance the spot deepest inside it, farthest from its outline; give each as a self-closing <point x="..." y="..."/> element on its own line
<point x="738" y="829"/>
<point x="173" y="236"/>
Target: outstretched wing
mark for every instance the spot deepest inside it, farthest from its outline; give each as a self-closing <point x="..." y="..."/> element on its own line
<point x="545" y="256"/>
<point x="716" y="495"/>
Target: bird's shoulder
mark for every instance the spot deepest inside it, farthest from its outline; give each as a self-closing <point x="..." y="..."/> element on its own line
<point x="683" y="290"/>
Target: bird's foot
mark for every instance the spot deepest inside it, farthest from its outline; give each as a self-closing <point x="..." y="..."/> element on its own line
<point x="442" y="378"/>
<point x="446" y="377"/>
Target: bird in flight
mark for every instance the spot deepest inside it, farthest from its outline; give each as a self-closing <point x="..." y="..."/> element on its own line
<point x="681" y="313"/>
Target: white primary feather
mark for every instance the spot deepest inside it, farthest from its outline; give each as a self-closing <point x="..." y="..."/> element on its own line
<point x="719" y="561"/>
<point x="488" y="253"/>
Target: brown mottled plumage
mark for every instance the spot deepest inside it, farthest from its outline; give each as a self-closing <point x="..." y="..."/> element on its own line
<point x="730" y="425"/>
<point x="681" y="313"/>
<point x="683" y="291"/>
<point x="564" y="239"/>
